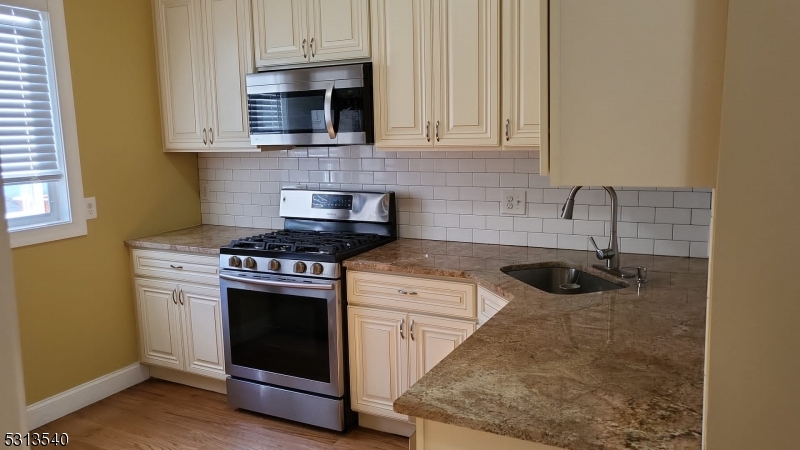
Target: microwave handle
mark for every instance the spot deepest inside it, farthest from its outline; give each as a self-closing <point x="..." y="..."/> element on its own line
<point x="329" y="111"/>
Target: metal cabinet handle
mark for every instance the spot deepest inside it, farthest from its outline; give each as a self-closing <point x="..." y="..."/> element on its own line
<point x="402" y="326"/>
<point x="437" y="131"/>
<point x="411" y="329"/>
<point x="173" y="297"/>
<point x="181" y="296"/>
<point x="328" y="111"/>
<point x="176" y="267"/>
<point x="305" y="55"/>
<point x="311" y="44"/>
<point x="205" y="137"/>
<point x="507" y="123"/>
<point x="211" y="134"/>
<point x="428" y="131"/>
<point x="400" y="291"/>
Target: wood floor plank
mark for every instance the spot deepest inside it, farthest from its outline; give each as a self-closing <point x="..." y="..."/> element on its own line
<point x="159" y="415"/>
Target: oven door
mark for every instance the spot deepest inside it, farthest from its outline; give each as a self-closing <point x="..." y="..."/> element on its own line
<point x="283" y="331"/>
<point x="310" y="113"/>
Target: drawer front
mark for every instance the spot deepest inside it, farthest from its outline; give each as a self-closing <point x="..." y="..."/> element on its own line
<point x="176" y="266"/>
<point x="489" y="304"/>
<point x="412" y="294"/>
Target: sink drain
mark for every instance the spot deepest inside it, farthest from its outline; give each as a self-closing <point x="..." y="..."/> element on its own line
<point x="570" y="286"/>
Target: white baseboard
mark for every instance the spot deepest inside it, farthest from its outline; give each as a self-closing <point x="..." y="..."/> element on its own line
<point x="392" y="426"/>
<point x="189" y="379"/>
<point x="67" y="402"/>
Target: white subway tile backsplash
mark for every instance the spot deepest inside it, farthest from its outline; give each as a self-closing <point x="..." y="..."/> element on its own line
<point x="456" y="195"/>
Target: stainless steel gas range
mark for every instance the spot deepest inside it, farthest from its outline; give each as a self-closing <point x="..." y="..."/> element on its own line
<point x="283" y="306"/>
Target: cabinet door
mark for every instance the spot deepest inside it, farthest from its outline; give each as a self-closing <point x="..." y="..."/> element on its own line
<point x="378" y="360"/>
<point x="159" y="323"/>
<point x="179" y="40"/>
<point x="281" y="35"/>
<point x="339" y="30"/>
<point x="466" y="47"/>
<point x="432" y="339"/>
<point x="202" y="329"/>
<point x="489" y="304"/>
<point x="402" y="73"/>
<point x="230" y="58"/>
<point x="521" y="66"/>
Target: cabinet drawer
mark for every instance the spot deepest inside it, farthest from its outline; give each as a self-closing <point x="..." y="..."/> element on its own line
<point x="412" y="294"/>
<point x="176" y="266"/>
<point x="489" y="304"/>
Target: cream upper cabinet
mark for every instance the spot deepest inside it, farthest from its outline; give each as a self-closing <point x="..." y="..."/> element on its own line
<point x="378" y="360"/>
<point x="432" y="339"/>
<point x="290" y="32"/>
<point x="202" y="317"/>
<point x="436" y="73"/>
<point x="402" y="72"/>
<point x="466" y="68"/>
<point x="280" y="32"/>
<point x="635" y="92"/>
<point x="521" y="43"/>
<point x="159" y="323"/>
<point x="204" y="51"/>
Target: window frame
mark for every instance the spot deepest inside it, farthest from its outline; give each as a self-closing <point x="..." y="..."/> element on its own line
<point x="69" y="131"/>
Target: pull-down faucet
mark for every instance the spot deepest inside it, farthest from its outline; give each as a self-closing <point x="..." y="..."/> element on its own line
<point x="610" y="254"/>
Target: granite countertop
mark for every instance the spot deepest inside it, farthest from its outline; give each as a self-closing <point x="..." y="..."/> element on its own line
<point x="204" y="239"/>
<point x="610" y="370"/>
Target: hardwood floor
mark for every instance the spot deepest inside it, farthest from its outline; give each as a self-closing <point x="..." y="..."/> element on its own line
<point x="159" y="415"/>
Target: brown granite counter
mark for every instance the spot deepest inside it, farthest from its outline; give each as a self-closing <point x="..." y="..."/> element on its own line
<point x="206" y="239"/>
<point x="609" y="370"/>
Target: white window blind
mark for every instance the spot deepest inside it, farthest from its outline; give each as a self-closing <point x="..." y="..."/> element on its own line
<point x="29" y="133"/>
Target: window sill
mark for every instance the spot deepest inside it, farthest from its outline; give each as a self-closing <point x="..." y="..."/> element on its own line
<point x="51" y="233"/>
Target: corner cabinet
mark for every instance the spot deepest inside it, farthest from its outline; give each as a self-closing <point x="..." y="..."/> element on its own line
<point x="436" y="69"/>
<point x="399" y="328"/>
<point x="204" y="51"/>
<point x="635" y="92"/>
<point x="291" y="32"/>
<point x="179" y="319"/>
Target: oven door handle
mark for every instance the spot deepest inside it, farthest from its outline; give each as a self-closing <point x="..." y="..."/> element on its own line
<point x="277" y="283"/>
<point x="329" y="111"/>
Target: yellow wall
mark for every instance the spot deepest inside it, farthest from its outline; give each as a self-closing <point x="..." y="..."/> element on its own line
<point x="75" y="296"/>
<point x="753" y="371"/>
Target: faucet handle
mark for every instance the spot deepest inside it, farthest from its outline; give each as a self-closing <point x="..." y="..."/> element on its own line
<point x="605" y="253"/>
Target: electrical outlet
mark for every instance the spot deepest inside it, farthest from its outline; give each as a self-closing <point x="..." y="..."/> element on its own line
<point x="205" y="192"/>
<point x="513" y="203"/>
<point x="91" y="208"/>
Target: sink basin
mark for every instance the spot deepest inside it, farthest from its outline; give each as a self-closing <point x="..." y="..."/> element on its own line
<point x="562" y="280"/>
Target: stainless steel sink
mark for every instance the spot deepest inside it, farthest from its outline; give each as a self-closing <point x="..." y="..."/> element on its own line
<point x="561" y="280"/>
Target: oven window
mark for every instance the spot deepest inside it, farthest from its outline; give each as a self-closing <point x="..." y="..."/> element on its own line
<point x="283" y="334"/>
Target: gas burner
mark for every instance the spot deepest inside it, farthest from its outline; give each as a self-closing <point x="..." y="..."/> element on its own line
<point x="299" y="243"/>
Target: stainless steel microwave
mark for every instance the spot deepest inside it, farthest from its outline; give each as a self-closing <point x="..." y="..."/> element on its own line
<point x="316" y="106"/>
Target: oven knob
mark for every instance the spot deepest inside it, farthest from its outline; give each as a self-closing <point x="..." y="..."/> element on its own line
<point x="299" y="267"/>
<point x="274" y="265"/>
<point x="234" y="261"/>
<point x="316" y="269"/>
<point x="250" y="263"/>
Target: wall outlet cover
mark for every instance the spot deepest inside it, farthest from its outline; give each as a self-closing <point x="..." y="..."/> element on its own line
<point x="205" y="192"/>
<point x="513" y="203"/>
<point x="91" y="208"/>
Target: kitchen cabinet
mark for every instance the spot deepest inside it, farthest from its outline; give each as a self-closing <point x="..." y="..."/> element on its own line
<point x="395" y="338"/>
<point x="521" y="51"/>
<point x="436" y="73"/>
<point x="489" y="304"/>
<point x="291" y="32"/>
<point x="635" y="92"/>
<point x="180" y="322"/>
<point x="204" y="51"/>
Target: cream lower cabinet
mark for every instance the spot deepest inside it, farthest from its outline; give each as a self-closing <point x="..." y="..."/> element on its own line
<point x="391" y="348"/>
<point x="180" y="323"/>
<point x="489" y="304"/>
<point x="204" y="51"/>
<point x="290" y="32"/>
<point x="436" y="73"/>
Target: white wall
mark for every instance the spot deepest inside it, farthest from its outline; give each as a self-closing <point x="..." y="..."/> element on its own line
<point x="457" y="196"/>
<point x="13" y="415"/>
<point x="753" y="366"/>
